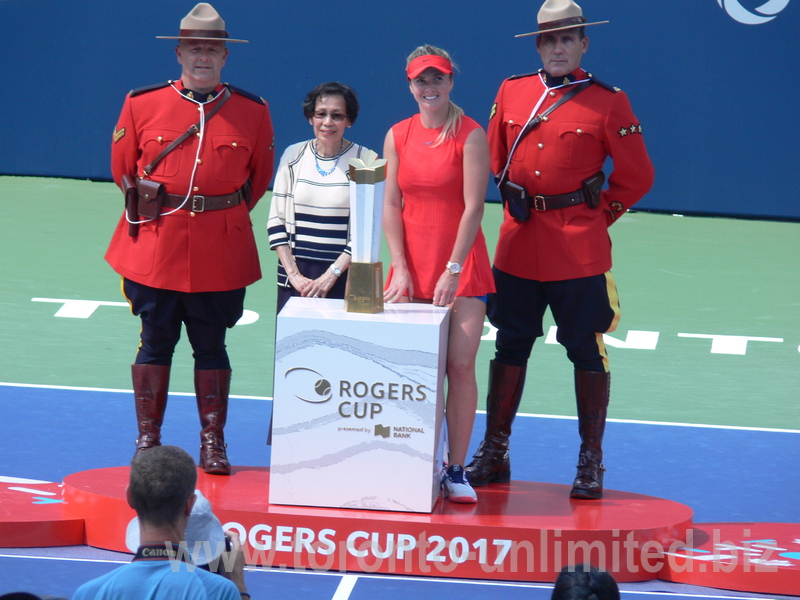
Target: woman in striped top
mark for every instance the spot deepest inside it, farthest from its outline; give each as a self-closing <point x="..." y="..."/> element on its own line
<point x="309" y="219"/>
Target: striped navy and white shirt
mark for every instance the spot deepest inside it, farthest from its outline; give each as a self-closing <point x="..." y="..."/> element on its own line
<point x="311" y="212"/>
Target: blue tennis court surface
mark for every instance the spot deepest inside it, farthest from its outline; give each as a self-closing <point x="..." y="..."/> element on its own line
<point x="723" y="474"/>
<point x="50" y="575"/>
<point x="709" y="337"/>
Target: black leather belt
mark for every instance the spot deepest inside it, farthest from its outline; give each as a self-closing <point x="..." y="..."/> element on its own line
<point x="542" y="203"/>
<point x="198" y="203"/>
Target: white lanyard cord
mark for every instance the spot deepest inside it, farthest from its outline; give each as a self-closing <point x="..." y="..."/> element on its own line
<point x="201" y="134"/>
<point x="533" y="114"/>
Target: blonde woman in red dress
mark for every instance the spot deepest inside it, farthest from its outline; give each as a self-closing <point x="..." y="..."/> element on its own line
<point x="437" y="173"/>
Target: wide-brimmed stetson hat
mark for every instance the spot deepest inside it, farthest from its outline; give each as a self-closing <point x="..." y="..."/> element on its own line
<point x="557" y="15"/>
<point x="202" y="23"/>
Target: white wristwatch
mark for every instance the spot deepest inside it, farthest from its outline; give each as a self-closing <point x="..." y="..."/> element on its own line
<point x="453" y="268"/>
<point x="336" y="270"/>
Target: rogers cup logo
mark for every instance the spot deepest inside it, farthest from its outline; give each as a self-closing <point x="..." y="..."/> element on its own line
<point x="308" y="385"/>
<point x="765" y="13"/>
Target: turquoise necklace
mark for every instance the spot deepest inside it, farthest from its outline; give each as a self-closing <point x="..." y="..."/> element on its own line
<point x="322" y="171"/>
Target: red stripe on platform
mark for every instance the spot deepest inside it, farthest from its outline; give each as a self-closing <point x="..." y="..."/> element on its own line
<point x="522" y="531"/>
<point x="32" y="516"/>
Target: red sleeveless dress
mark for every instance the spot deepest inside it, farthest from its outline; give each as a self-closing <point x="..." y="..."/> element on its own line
<point x="431" y="180"/>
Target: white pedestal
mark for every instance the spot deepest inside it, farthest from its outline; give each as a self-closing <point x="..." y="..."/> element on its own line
<point x="358" y="408"/>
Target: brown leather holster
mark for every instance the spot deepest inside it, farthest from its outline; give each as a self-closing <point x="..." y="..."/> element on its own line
<point x="131" y="197"/>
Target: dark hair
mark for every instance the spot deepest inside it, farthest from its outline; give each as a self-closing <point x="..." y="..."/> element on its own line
<point x="162" y="479"/>
<point x="582" y="582"/>
<point x="332" y="88"/>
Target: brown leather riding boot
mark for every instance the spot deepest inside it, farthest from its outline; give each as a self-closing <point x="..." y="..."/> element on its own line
<point x="491" y="463"/>
<point x="150" y="385"/>
<point x="211" y="388"/>
<point x="592" y="389"/>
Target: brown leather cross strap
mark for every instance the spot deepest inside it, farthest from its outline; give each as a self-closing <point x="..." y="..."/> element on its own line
<point x="535" y="121"/>
<point x="191" y="131"/>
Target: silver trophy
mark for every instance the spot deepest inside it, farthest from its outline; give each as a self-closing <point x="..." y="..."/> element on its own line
<point x="364" y="292"/>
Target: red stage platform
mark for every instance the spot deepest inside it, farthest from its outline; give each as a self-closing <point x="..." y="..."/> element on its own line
<point x="32" y="516"/>
<point x="749" y="557"/>
<point x="521" y="531"/>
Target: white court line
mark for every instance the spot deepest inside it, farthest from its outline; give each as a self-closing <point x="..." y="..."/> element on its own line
<point x="669" y="423"/>
<point x="104" y="561"/>
<point x="112" y="390"/>
<point x="21" y="480"/>
<point x="539" y="416"/>
<point x="345" y="587"/>
<point x="32" y="491"/>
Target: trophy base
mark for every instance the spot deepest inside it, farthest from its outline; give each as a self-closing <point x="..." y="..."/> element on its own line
<point x="364" y="291"/>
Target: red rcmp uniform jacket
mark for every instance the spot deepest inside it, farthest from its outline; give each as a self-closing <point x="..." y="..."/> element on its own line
<point x="190" y="251"/>
<point x="555" y="158"/>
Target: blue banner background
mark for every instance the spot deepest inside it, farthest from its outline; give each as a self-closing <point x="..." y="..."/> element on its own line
<point x="717" y="98"/>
